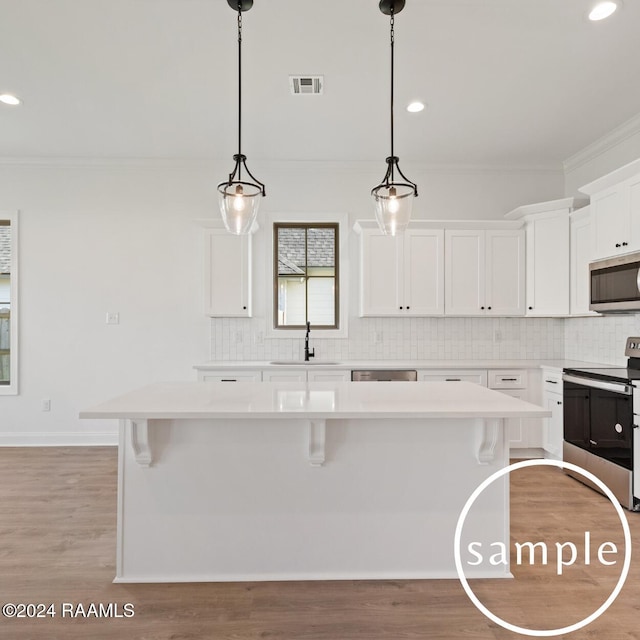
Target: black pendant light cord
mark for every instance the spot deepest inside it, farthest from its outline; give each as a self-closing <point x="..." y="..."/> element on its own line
<point x="392" y="34"/>
<point x="239" y="88"/>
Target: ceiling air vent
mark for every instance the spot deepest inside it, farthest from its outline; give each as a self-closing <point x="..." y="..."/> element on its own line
<point x="306" y="85"/>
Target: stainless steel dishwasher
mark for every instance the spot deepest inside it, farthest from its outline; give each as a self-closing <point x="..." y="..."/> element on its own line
<point x="384" y="375"/>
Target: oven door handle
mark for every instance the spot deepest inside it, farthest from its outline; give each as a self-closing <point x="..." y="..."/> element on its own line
<point x="615" y="387"/>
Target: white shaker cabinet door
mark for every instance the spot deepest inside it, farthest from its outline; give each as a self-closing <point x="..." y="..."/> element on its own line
<point x="465" y="269"/>
<point x="380" y="274"/>
<point x="548" y="262"/>
<point x="227" y="274"/>
<point x="580" y="258"/>
<point x="504" y="272"/>
<point x="423" y="272"/>
<point x="610" y="219"/>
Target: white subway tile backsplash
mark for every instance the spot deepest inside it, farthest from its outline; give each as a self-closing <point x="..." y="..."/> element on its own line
<point x="600" y="339"/>
<point x="410" y="339"/>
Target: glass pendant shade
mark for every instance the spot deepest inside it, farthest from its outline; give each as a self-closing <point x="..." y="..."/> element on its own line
<point x="239" y="204"/>
<point x="238" y="198"/>
<point x="393" y="206"/>
<point x="393" y="197"/>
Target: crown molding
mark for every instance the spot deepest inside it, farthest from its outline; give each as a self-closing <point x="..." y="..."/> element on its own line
<point x="288" y="166"/>
<point x="79" y="162"/>
<point x="618" y="135"/>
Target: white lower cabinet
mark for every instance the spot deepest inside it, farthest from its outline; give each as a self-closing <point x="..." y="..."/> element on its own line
<point x="524" y="433"/>
<point x="225" y="375"/>
<point x="552" y="400"/>
<point x="284" y="375"/>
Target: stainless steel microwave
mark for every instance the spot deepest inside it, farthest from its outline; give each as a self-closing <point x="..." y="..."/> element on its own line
<point x="615" y="284"/>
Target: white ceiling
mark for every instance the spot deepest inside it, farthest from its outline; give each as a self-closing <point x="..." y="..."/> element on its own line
<point x="525" y="82"/>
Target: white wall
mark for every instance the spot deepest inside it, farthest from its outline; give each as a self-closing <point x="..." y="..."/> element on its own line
<point x="93" y="240"/>
<point x="120" y="237"/>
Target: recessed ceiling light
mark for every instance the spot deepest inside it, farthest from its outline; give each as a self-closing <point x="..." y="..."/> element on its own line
<point x="603" y="10"/>
<point x="7" y="98"/>
<point x="415" y="107"/>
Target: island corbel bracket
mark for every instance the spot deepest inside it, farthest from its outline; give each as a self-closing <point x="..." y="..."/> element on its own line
<point x="489" y="435"/>
<point x="317" y="440"/>
<point x="140" y="441"/>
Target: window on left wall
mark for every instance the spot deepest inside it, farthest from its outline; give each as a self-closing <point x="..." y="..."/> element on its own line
<point x="8" y="304"/>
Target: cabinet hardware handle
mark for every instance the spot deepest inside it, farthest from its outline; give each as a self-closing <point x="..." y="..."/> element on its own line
<point x="530" y="308"/>
<point x="228" y="380"/>
<point x="452" y="380"/>
<point x="624" y="244"/>
<point x="552" y="381"/>
<point x="244" y="308"/>
<point x="408" y="308"/>
<point x="593" y="442"/>
<point x="558" y="401"/>
<point x="618" y="245"/>
<point x="402" y="307"/>
<point x="488" y="307"/>
<point x="482" y="308"/>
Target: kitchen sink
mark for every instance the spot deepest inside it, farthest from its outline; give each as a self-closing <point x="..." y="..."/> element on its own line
<point x="298" y="362"/>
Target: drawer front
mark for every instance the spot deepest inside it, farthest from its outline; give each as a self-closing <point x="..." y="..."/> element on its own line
<point x="328" y="375"/>
<point x="477" y="376"/>
<point x="513" y="379"/>
<point x="230" y="376"/>
<point x="552" y="381"/>
<point x="278" y="374"/>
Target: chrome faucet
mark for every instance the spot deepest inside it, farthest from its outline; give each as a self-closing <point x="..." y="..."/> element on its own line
<point x="308" y="354"/>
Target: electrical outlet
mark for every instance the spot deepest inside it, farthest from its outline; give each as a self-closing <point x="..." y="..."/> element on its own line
<point x="497" y="335"/>
<point x="46" y="404"/>
<point x="113" y="317"/>
<point x="377" y="337"/>
<point x="259" y="337"/>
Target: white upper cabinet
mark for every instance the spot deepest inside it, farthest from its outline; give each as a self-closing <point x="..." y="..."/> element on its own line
<point x="547" y="226"/>
<point x="227" y="274"/>
<point x="581" y="248"/>
<point x="484" y="272"/>
<point x="615" y="212"/>
<point x="401" y="275"/>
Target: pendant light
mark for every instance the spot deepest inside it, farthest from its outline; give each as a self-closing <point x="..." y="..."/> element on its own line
<point x="393" y="199"/>
<point x="240" y="198"/>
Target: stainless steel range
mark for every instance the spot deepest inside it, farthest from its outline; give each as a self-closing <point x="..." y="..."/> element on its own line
<point x="601" y="424"/>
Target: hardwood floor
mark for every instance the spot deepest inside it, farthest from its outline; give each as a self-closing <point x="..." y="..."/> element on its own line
<point x="57" y="545"/>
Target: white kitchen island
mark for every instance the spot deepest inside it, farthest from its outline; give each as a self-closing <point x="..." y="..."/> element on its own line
<point x="307" y="481"/>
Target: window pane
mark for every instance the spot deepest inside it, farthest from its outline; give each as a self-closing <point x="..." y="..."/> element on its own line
<point x="321" y="247"/>
<point x="320" y="299"/>
<point x="291" y="251"/>
<point x="291" y="301"/>
<point x="5" y="302"/>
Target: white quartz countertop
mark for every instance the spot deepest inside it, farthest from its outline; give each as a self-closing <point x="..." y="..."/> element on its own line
<point x="321" y="400"/>
<point x="395" y="364"/>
